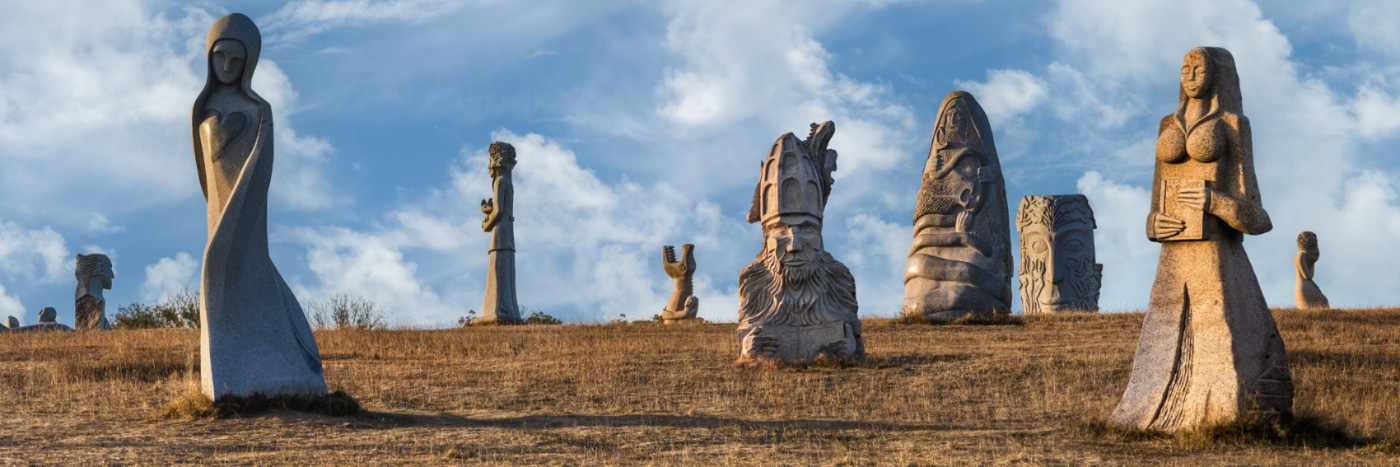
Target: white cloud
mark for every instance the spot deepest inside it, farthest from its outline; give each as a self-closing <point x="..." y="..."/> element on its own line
<point x="1006" y="94"/>
<point x="10" y="306"/>
<point x="1129" y="259"/>
<point x="169" y="275"/>
<point x="299" y="19"/>
<point x="586" y="249"/>
<point x="99" y="223"/>
<point x="37" y="255"/>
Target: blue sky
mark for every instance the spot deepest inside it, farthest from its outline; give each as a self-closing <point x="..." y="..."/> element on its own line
<point x="640" y="124"/>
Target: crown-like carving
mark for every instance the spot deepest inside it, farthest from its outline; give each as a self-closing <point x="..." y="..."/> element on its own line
<point x="795" y="178"/>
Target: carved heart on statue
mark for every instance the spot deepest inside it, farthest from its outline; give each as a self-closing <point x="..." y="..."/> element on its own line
<point x="217" y="130"/>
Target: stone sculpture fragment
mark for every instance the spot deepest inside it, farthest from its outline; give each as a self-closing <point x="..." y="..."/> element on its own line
<point x="94" y="274"/>
<point x="1058" y="270"/>
<point x="796" y="301"/>
<point x="1305" y="292"/>
<point x="500" y="305"/>
<point x="1210" y="351"/>
<point x="254" y="336"/>
<point x="48" y="321"/>
<point x="960" y="260"/>
<point x="683" y="304"/>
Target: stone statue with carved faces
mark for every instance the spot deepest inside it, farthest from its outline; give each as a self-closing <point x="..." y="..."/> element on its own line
<point x="960" y="261"/>
<point x="796" y="302"/>
<point x="89" y="307"/>
<point x="1058" y="269"/>
<point x="1210" y="351"/>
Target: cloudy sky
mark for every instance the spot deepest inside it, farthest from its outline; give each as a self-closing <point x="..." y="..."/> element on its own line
<point x="640" y="124"/>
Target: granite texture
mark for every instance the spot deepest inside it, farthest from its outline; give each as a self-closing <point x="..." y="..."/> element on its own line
<point x="254" y="336"/>
<point x="11" y="322"/>
<point x="500" y="305"/>
<point x="1059" y="272"/>
<point x="960" y="260"/>
<point x="1305" y="292"/>
<point x="796" y="301"/>
<point x="683" y="304"/>
<point x="1210" y="351"/>
<point x="94" y="274"/>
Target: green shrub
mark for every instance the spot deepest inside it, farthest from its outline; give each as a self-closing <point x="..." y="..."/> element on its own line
<point x="346" y="312"/>
<point x="179" y="310"/>
<point x="539" y="317"/>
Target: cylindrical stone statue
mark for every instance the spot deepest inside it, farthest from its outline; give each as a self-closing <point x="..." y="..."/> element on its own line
<point x="1210" y="351"/>
<point x="1306" y="293"/>
<point x="500" y="306"/>
<point x="1058" y="270"/>
<point x="254" y="337"/>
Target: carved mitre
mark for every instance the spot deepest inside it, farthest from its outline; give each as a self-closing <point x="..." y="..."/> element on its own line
<point x="795" y="178"/>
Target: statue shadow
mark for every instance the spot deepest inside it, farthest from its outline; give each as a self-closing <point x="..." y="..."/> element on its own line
<point x="391" y="420"/>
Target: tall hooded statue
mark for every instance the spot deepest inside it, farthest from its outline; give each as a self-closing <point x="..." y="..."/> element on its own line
<point x="254" y="337"/>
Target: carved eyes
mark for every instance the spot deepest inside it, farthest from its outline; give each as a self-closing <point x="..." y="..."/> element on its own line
<point x="1073" y="244"/>
<point x="1038" y="245"/>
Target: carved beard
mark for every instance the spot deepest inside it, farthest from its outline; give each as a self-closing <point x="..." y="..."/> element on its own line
<point x="1083" y="282"/>
<point x="821" y="291"/>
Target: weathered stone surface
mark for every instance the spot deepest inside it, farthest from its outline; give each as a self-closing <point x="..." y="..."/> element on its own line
<point x="254" y="336"/>
<point x="94" y="274"/>
<point x="796" y="301"/>
<point x="48" y="315"/>
<point x="12" y="322"/>
<point x="1058" y="272"/>
<point x="500" y="305"/>
<point x="1305" y="292"/>
<point x="683" y="305"/>
<point x="1210" y="351"/>
<point x="960" y="260"/>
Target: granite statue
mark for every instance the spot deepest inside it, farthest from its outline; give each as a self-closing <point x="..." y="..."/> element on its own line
<point x="1058" y="269"/>
<point x="255" y="338"/>
<point x="1210" y="351"/>
<point x="796" y="301"/>
<point x="89" y="307"/>
<point x="500" y="305"/>
<point x="960" y="260"/>
<point x="1305" y="292"/>
<point x="683" y="305"/>
<point x="48" y="321"/>
<point x="11" y="322"/>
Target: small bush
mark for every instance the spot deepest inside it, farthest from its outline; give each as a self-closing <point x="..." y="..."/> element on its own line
<point x="539" y="317"/>
<point x="179" y="310"/>
<point x="195" y="405"/>
<point x="346" y="312"/>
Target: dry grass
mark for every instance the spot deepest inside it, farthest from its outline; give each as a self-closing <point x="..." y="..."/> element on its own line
<point x="644" y="393"/>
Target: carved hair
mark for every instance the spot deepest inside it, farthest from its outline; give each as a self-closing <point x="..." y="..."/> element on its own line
<point x="1307" y="241"/>
<point x="502" y="155"/>
<point x="772" y="294"/>
<point x="90" y="266"/>
<point x="1055" y="211"/>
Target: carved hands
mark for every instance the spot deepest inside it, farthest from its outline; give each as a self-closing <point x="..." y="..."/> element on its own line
<point x="488" y="207"/>
<point x="679" y="268"/>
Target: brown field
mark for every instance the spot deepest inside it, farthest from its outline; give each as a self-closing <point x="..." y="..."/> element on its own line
<point x="651" y="394"/>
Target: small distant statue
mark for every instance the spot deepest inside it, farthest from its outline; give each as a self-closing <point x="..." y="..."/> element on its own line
<point x="683" y="304"/>
<point x="1306" y="293"/>
<point x="1058" y="269"/>
<point x="254" y="336"/>
<point x="960" y="261"/>
<point x="94" y="274"/>
<point x="48" y="321"/>
<point x="500" y="306"/>
<point x="1210" y="351"/>
<point x="796" y="302"/>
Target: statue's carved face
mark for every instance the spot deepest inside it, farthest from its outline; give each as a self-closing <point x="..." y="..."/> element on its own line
<point x="105" y="271"/>
<point x="1195" y="75"/>
<point x="794" y="244"/>
<point x="227" y="59"/>
<point x="1058" y="267"/>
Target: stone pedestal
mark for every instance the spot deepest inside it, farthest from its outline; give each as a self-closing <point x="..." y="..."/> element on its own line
<point x="800" y="343"/>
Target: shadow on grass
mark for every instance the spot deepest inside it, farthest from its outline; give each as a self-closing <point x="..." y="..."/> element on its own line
<point x="536" y="422"/>
<point x="1304" y="431"/>
<point x="970" y="320"/>
<point x="197" y="406"/>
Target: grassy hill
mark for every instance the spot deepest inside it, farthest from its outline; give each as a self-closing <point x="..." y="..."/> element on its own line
<point x="1032" y="393"/>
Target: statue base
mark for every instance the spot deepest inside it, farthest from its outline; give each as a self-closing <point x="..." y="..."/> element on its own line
<point x="801" y="344"/>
